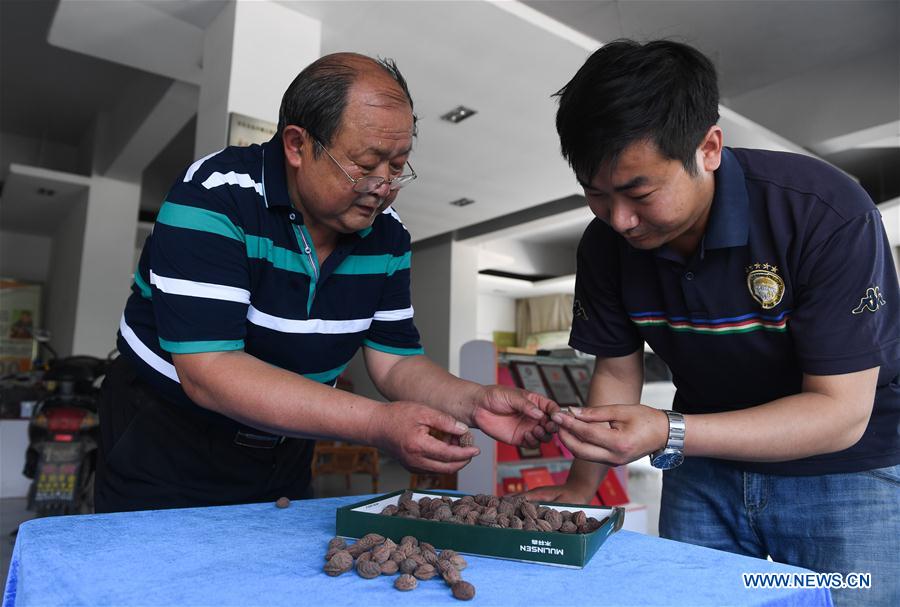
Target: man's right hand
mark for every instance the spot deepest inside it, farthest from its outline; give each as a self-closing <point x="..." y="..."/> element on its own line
<point x="402" y="428"/>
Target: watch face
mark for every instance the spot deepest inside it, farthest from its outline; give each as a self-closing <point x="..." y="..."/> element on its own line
<point x="668" y="459"/>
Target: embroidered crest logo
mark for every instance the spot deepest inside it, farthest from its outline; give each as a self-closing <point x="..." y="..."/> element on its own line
<point x="765" y="285"/>
<point x="871" y="301"/>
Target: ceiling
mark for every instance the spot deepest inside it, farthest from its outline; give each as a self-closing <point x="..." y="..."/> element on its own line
<point x="823" y="74"/>
<point x="775" y="40"/>
<point x="46" y="197"/>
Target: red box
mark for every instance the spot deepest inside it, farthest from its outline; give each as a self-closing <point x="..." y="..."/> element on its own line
<point x="536" y="477"/>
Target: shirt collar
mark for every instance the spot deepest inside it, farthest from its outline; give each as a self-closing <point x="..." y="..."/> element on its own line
<point x="729" y="218"/>
<point x="729" y="215"/>
<point x="274" y="190"/>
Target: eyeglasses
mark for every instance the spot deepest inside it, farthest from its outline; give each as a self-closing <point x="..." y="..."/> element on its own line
<point x="370" y="183"/>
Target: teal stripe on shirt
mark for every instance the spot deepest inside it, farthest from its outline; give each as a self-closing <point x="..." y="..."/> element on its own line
<point x="393" y="350"/>
<point x="195" y="347"/>
<point x="327" y="377"/>
<point x="283" y="259"/>
<point x="374" y="264"/>
<point x="146" y="293"/>
<point x="258" y="247"/>
<point x="194" y="218"/>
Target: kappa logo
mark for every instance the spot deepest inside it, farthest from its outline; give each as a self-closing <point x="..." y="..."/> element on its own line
<point x="871" y="301"/>
<point x="578" y="310"/>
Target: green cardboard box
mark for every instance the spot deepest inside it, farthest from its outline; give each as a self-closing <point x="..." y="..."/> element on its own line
<point x="561" y="549"/>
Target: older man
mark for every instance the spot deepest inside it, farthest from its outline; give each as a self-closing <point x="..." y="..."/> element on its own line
<point x="268" y="268"/>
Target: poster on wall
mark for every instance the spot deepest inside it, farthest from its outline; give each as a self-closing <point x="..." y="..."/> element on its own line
<point x="20" y="314"/>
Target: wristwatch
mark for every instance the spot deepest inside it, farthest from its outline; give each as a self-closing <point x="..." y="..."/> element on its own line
<point x="672" y="454"/>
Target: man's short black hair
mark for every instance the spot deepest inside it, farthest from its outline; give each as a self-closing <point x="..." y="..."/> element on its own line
<point x="663" y="92"/>
<point x="317" y="97"/>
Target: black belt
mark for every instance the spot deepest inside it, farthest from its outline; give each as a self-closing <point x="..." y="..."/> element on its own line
<point x="257" y="441"/>
<point x="195" y="413"/>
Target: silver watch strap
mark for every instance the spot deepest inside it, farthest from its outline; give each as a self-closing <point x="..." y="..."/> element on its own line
<point x="676" y="431"/>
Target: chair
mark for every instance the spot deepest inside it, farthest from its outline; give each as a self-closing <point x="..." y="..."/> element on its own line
<point x="330" y="457"/>
<point x="432" y="481"/>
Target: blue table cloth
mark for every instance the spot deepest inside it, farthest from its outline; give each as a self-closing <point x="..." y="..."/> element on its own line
<point x="258" y="554"/>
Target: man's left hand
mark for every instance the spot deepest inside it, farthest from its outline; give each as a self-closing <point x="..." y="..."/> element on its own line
<point x="514" y="416"/>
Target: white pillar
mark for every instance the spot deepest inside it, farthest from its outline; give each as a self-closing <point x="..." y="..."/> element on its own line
<point x="106" y="263"/>
<point x="430" y="282"/>
<point x="445" y="296"/>
<point x="251" y="53"/>
<point x="463" y="300"/>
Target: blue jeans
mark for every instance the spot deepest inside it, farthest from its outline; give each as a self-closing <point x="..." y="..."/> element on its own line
<point x="839" y="523"/>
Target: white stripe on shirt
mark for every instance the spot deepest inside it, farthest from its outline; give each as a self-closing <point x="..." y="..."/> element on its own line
<point x="177" y="286"/>
<point x="194" y="167"/>
<point x="146" y="354"/>
<point x="390" y="211"/>
<point x="313" y="325"/>
<point x="394" y="314"/>
<point x="231" y="178"/>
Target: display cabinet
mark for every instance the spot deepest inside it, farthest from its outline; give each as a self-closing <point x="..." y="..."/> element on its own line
<point x="565" y="376"/>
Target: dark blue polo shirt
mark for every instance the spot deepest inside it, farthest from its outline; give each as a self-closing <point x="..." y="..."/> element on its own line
<point x="230" y="266"/>
<point x="794" y="275"/>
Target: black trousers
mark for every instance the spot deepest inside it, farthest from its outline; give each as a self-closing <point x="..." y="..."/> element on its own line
<point x="157" y="454"/>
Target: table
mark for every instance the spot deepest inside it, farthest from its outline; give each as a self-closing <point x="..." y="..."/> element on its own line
<point x="257" y="554"/>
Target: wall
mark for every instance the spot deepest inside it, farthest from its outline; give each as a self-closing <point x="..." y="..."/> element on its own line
<point x="463" y="300"/>
<point x="163" y="171"/>
<point x="531" y="259"/>
<point x="61" y="294"/>
<point x="212" y="112"/>
<point x="444" y="292"/>
<point x="239" y="74"/>
<point x="14" y="442"/>
<point x="495" y="313"/>
<point x="24" y="257"/>
<point x="890" y="215"/>
<point x="32" y="257"/>
<point x="106" y="264"/>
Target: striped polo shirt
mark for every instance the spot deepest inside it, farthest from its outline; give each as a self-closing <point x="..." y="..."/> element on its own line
<point x="793" y="275"/>
<point x="230" y="266"/>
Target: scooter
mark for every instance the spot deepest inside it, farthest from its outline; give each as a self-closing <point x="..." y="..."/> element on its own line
<point x="63" y="436"/>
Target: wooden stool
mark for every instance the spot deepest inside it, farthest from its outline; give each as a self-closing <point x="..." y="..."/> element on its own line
<point x="432" y="481"/>
<point x="330" y="457"/>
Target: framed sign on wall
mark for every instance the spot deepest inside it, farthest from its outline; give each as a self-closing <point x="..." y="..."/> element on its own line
<point x="561" y="389"/>
<point x="528" y="376"/>
<point x="244" y="130"/>
<point x="581" y="379"/>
